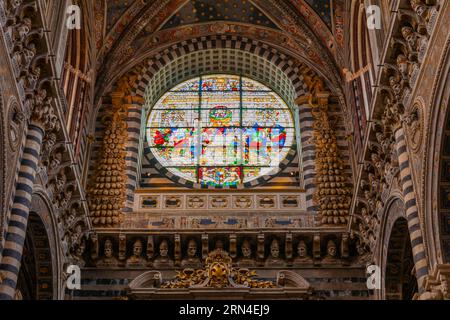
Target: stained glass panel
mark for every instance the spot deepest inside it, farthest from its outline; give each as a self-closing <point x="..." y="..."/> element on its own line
<point x="220" y="177"/>
<point x="221" y="83"/>
<point x="211" y="132"/>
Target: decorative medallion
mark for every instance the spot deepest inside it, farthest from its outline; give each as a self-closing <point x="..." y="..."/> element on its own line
<point x="267" y="202"/>
<point x="196" y="202"/>
<point x="15" y="120"/>
<point x="415" y="127"/>
<point x="218" y="273"/>
<point x="242" y="202"/>
<point x="219" y="202"/>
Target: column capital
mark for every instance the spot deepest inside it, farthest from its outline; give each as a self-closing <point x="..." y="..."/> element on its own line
<point x="43" y="113"/>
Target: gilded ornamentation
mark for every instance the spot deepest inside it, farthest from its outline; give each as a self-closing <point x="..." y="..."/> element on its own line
<point x="218" y="273"/>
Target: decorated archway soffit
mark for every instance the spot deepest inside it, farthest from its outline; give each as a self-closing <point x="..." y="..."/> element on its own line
<point x="119" y="13"/>
<point x="143" y="27"/>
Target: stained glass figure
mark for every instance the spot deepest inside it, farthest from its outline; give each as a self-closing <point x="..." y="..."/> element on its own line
<point x="220" y="131"/>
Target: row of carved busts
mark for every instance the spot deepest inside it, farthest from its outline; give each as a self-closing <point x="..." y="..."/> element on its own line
<point x="167" y="254"/>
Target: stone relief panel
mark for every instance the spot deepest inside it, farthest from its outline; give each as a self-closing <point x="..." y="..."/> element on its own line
<point x="415" y="126"/>
<point x="222" y="221"/>
<point x="216" y="202"/>
<point x="210" y="211"/>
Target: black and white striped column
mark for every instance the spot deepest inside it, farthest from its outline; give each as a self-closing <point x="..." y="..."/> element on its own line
<point x="308" y="154"/>
<point x="15" y="236"/>
<point x="132" y="151"/>
<point x="412" y="212"/>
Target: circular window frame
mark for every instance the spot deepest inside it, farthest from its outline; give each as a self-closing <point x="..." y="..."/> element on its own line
<point x="258" y="182"/>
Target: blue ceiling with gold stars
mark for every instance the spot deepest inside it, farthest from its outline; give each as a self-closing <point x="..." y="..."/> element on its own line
<point x="197" y="11"/>
<point x="115" y="9"/>
<point x="323" y="9"/>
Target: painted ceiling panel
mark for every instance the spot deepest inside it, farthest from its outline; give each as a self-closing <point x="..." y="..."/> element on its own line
<point x="197" y="11"/>
<point x="323" y="9"/>
<point x="115" y="9"/>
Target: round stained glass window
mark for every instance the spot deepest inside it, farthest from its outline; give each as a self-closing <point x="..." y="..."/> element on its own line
<point x="220" y="131"/>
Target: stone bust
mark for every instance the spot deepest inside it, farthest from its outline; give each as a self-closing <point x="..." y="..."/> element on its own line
<point x="191" y="260"/>
<point x="108" y="259"/>
<point x="77" y="257"/>
<point x="163" y="260"/>
<point x="136" y="260"/>
<point x="219" y="245"/>
<point x="331" y="255"/>
<point x="274" y="259"/>
<point x="302" y="254"/>
<point x="246" y="260"/>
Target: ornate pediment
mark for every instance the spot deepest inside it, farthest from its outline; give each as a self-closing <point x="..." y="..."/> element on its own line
<point x="215" y="279"/>
<point x="218" y="273"/>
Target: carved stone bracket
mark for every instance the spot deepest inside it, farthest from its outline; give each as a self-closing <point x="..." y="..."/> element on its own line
<point x="437" y="284"/>
<point x="333" y="193"/>
<point x="107" y="191"/>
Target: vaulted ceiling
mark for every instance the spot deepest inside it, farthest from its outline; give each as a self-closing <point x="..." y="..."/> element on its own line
<point x="129" y="31"/>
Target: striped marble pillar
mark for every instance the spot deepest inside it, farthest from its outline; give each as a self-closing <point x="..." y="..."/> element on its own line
<point x="15" y="236"/>
<point x="306" y="122"/>
<point x="412" y="211"/>
<point x="132" y="149"/>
